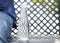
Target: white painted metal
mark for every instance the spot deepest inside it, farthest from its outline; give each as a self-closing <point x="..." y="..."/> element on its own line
<point x="23" y="24"/>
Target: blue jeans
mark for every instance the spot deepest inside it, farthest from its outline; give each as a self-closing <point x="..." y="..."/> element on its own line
<point x="6" y="23"/>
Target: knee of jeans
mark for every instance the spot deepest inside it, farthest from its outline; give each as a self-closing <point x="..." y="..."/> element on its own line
<point x="3" y="26"/>
<point x="3" y="29"/>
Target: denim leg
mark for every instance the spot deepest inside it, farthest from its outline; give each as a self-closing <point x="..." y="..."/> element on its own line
<point x="6" y="23"/>
<point x="1" y="41"/>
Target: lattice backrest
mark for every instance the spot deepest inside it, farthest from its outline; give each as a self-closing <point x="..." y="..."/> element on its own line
<point x="43" y="17"/>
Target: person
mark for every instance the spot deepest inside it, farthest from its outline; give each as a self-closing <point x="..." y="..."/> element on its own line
<point x="7" y="19"/>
